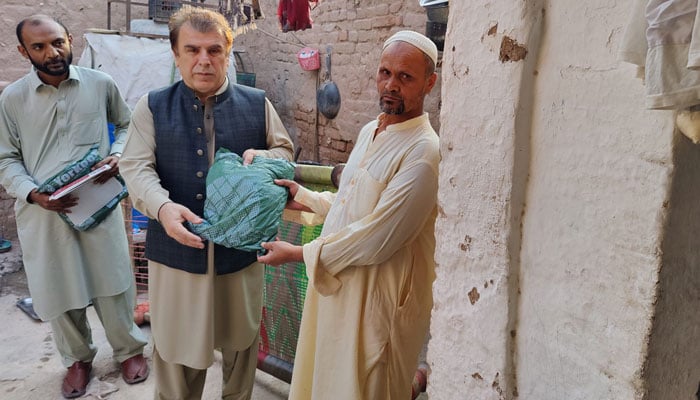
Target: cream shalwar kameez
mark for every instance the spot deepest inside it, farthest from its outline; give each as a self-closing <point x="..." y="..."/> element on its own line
<point x="43" y="129"/>
<point x="371" y="270"/>
<point x="193" y="314"/>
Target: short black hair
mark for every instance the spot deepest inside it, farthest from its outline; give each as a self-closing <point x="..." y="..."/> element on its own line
<point x="36" y="20"/>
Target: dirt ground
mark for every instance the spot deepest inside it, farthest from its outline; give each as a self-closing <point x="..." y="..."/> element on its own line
<point x="31" y="368"/>
<point x="14" y="284"/>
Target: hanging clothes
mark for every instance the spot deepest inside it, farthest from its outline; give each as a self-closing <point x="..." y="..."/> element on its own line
<point x="663" y="37"/>
<point x="293" y="15"/>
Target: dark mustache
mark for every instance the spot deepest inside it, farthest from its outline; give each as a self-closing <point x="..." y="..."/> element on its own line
<point x="392" y="94"/>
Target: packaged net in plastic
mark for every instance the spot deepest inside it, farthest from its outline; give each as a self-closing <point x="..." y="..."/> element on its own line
<point x="95" y="203"/>
<point x="243" y="206"/>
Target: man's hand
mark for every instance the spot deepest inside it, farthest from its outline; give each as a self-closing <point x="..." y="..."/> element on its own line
<point x="279" y="252"/>
<point x="293" y="189"/>
<point x="61" y="205"/>
<point x="171" y="216"/>
<point x="113" y="162"/>
<point x="248" y="156"/>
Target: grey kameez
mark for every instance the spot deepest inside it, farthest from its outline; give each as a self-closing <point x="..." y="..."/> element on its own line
<point x="42" y="130"/>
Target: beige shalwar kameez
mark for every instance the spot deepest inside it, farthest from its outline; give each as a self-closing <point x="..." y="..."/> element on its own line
<point x="371" y="270"/>
<point x="193" y="314"/>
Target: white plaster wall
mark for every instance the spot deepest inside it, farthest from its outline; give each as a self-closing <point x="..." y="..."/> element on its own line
<point x="599" y="175"/>
<point x="552" y="196"/>
<point x="470" y="352"/>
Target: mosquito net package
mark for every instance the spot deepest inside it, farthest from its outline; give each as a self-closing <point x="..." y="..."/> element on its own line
<point x="243" y="206"/>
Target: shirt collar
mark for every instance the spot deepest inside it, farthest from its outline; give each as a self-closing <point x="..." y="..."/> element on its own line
<point x="213" y="98"/>
<point x="37" y="83"/>
<point x="223" y="87"/>
<point x="408" y="124"/>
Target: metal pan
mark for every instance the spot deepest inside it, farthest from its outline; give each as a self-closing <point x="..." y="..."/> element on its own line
<point x="328" y="95"/>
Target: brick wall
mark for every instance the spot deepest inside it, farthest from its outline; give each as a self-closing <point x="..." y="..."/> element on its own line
<point x="355" y="29"/>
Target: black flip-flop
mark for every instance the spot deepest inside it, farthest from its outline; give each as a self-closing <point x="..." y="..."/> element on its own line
<point x="27" y="306"/>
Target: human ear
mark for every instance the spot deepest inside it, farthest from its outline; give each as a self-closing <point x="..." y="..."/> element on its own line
<point x="431" y="83"/>
<point x="22" y="51"/>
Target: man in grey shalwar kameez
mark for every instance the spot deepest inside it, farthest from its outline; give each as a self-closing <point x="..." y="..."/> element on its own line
<point x="49" y="119"/>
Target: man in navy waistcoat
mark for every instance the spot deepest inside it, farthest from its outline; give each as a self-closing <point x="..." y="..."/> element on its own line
<point x="202" y="296"/>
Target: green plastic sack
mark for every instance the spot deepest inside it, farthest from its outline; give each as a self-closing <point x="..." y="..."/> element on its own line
<point x="75" y="171"/>
<point x="243" y="206"/>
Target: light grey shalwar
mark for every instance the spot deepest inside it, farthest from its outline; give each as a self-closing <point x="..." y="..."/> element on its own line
<point x="42" y="130"/>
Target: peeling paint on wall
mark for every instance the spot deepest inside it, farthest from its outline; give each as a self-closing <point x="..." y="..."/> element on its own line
<point x="466" y="244"/>
<point x="511" y="50"/>
<point x="496" y="385"/>
<point x="474" y="296"/>
<point x="492" y="30"/>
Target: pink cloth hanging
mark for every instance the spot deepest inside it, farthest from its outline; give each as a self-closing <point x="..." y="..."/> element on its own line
<point x="293" y="15"/>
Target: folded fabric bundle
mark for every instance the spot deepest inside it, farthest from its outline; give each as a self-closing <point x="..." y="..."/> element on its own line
<point x="243" y="206"/>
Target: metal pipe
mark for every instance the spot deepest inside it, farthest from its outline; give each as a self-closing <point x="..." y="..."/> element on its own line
<point x="274" y="366"/>
<point x="109" y="15"/>
<point x="128" y="15"/>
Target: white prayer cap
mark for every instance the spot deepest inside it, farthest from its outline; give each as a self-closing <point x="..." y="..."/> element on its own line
<point x="416" y="39"/>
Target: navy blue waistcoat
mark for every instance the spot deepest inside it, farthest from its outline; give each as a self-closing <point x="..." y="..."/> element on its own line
<point x="182" y="163"/>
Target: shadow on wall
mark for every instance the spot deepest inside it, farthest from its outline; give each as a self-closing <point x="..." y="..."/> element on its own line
<point x="676" y="319"/>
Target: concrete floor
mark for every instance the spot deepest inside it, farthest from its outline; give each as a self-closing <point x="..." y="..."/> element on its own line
<point x="31" y="369"/>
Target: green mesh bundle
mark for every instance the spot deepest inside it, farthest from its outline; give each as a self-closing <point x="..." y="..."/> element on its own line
<point x="243" y="206"/>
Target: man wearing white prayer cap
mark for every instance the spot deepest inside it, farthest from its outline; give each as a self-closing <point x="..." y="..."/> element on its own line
<point x="371" y="270"/>
<point x="422" y="42"/>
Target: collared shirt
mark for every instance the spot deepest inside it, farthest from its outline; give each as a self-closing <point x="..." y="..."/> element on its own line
<point x="42" y="130"/>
